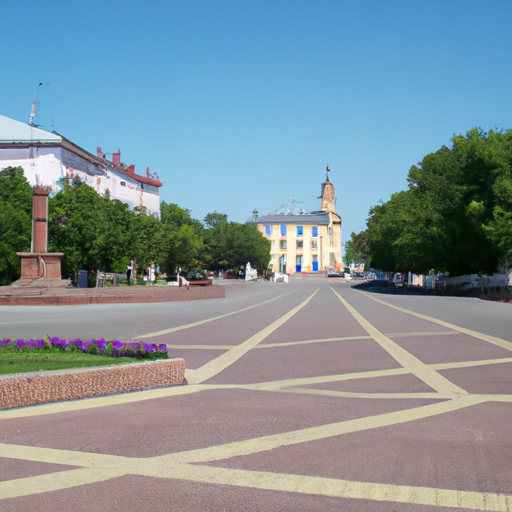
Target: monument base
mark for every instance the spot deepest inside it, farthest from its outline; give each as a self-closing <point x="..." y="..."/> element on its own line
<point x="36" y="265"/>
<point x="41" y="283"/>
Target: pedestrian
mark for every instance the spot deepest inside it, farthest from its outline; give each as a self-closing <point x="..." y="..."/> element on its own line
<point x="129" y="269"/>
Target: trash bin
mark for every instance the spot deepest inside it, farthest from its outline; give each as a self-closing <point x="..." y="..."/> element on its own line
<point x="82" y="279"/>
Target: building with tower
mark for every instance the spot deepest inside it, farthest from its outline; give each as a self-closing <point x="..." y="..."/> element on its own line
<point x="305" y="242"/>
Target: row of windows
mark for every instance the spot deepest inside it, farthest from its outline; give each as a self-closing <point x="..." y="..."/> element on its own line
<point x="299" y="230"/>
<point x="300" y="244"/>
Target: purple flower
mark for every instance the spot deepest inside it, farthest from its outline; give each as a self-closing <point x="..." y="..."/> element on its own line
<point x="20" y="343"/>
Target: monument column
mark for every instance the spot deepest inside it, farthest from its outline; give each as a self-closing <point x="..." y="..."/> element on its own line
<point x="39" y="263"/>
<point x="39" y="221"/>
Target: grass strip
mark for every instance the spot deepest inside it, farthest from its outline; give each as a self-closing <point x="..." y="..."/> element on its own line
<point x="24" y="362"/>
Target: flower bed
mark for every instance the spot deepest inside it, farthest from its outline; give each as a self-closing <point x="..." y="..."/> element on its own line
<point x="154" y="370"/>
<point x="138" y="350"/>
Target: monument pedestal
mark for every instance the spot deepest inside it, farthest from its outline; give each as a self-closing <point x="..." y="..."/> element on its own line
<point x="35" y="265"/>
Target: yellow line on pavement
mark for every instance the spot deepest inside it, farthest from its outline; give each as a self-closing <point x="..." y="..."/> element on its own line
<point x="270" y="442"/>
<point x="335" y="488"/>
<point x="200" y="322"/>
<point x="60" y="456"/>
<point x="354" y="394"/>
<point x="100" y="467"/>
<point x="304" y="381"/>
<point x="475" y="334"/>
<point x="276" y="385"/>
<point x="56" y="481"/>
<point x="469" y="364"/>
<point x="406" y="359"/>
<point x="101" y="401"/>
<point x="348" y="338"/>
<point x="220" y="363"/>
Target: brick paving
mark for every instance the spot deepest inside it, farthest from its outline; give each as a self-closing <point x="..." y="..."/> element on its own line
<point x="305" y="397"/>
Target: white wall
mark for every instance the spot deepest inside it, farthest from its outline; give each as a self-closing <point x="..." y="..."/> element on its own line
<point x="48" y="165"/>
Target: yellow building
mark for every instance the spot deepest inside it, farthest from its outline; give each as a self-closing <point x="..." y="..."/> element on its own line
<point x="305" y="242"/>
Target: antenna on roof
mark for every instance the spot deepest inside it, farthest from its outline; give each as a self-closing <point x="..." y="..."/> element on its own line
<point x="287" y="205"/>
<point x="34" y="105"/>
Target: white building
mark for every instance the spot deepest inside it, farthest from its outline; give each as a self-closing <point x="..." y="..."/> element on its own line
<point x="305" y="242"/>
<point x="47" y="158"/>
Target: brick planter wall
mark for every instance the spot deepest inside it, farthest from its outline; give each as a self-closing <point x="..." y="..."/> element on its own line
<point x="72" y="384"/>
<point x="10" y="296"/>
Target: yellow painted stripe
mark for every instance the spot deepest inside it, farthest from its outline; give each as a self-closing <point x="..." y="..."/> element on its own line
<point x="58" y="456"/>
<point x="331" y="487"/>
<point x="324" y="379"/>
<point x="353" y="394"/>
<point x="270" y="442"/>
<point x="92" y="403"/>
<point x="56" y="481"/>
<point x="469" y="364"/>
<point x="308" y="342"/>
<point x="304" y="381"/>
<point x="485" y="337"/>
<point x="228" y="358"/>
<point x="406" y="359"/>
<point x="348" y="338"/>
<point x="200" y="322"/>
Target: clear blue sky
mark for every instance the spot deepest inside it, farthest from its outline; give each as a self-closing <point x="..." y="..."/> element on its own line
<point x="241" y="104"/>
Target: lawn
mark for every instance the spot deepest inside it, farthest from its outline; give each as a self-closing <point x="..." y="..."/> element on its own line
<point x="24" y="362"/>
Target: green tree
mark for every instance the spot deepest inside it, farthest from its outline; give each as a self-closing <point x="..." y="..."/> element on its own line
<point x="231" y="245"/>
<point x="184" y="238"/>
<point x="148" y="243"/>
<point x="456" y="213"/>
<point x="356" y="249"/>
<point x="212" y="219"/>
<point x="15" y="221"/>
<point x="114" y="240"/>
<point x="77" y="223"/>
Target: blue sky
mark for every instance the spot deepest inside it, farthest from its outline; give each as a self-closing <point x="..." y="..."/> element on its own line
<point x="241" y="104"/>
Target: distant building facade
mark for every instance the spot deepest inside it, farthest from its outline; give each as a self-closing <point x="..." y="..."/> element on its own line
<point x="47" y="158"/>
<point x="305" y="242"/>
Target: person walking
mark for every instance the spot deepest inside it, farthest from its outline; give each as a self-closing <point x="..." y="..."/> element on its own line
<point x="129" y="269"/>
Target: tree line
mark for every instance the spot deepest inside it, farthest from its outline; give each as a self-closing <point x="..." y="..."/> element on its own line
<point x="98" y="232"/>
<point x="455" y="216"/>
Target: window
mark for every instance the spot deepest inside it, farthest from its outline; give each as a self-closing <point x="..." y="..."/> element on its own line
<point x="300" y="244"/>
<point x="314" y="244"/>
<point x="268" y="229"/>
<point x="314" y="231"/>
<point x="283" y="229"/>
<point x="300" y="230"/>
<point x="123" y="183"/>
<point x="283" y="244"/>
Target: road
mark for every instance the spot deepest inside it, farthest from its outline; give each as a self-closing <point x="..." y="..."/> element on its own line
<point x="308" y="396"/>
